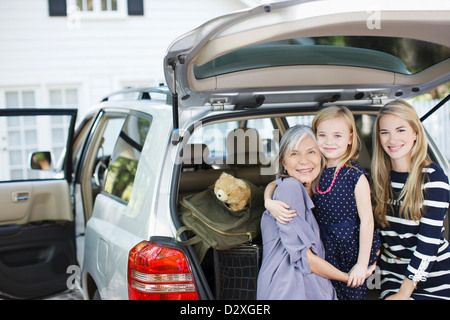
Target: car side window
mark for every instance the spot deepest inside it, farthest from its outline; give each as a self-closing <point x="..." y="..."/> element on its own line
<point x="267" y="134"/>
<point x="214" y="137"/>
<point x="125" y="156"/>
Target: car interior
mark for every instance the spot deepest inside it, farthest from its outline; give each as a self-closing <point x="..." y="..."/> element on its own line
<point x="253" y="159"/>
<point x="209" y="152"/>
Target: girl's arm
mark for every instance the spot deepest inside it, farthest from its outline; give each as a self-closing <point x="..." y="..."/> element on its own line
<point x="297" y="237"/>
<point x="324" y="269"/>
<point x="405" y="291"/>
<point x="364" y="206"/>
<point x="278" y="209"/>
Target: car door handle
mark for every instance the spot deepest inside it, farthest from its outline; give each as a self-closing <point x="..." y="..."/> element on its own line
<point x="20" y="196"/>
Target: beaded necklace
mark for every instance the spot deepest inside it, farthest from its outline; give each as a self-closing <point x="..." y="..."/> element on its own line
<point x="332" y="183"/>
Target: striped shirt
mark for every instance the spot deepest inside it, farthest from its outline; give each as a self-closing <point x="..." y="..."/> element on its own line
<point x="417" y="249"/>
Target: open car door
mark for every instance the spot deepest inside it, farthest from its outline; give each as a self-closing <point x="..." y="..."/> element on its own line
<point x="37" y="228"/>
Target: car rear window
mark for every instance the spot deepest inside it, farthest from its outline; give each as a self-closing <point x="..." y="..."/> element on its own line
<point x="405" y="56"/>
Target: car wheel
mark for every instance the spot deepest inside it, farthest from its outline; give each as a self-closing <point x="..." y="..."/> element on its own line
<point x="96" y="295"/>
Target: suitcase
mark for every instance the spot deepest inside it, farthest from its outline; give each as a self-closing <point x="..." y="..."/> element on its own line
<point x="236" y="272"/>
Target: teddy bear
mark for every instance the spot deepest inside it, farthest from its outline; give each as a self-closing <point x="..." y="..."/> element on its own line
<point x="232" y="191"/>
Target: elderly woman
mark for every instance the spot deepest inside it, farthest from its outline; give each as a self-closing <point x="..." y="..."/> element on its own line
<point x="293" y="265"/>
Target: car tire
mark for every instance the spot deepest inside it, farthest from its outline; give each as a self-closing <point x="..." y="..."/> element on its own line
<point x="96" y="295"/>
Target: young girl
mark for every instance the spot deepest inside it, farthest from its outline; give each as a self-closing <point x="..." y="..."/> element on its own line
<point x="412" y="198"/>
<point x="342" y="202"/>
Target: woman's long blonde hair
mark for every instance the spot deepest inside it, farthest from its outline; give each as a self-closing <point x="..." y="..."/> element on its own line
<point x="332" y="112"/>
<point x="411" y="197"/>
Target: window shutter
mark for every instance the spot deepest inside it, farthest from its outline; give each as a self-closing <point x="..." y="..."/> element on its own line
<point x="57" y="8"/>
<point x="136" y="7"/>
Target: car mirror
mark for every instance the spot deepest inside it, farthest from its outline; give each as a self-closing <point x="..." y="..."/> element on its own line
<point x="41" y="160"/>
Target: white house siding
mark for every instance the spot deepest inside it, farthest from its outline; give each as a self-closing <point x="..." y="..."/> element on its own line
<point x="75" y="61"/>
<point x="437" y="123"/>
<point x="94" y="55"/>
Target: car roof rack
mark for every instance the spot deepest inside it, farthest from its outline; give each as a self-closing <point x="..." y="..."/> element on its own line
<point x="144" y="92"/>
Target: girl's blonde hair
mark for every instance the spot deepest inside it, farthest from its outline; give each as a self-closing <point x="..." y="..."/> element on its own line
<point x="411" y="197"/>
<point x="333" y="112"/>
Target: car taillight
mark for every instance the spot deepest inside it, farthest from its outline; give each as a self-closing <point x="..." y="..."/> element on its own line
<point x="157" y="272"/>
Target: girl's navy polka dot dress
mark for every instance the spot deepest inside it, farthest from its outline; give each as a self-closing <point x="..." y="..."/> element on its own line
<point x="338" y="219"/>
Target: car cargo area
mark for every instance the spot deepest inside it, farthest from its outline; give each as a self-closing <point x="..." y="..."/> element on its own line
<point x="247" y="150"/>
<point x="242" y="153"/>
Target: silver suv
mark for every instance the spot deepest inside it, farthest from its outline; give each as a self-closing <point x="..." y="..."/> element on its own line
<point x="247" y="76"/>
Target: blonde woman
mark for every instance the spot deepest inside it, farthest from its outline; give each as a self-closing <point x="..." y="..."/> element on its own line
<point x="411" y="197"/>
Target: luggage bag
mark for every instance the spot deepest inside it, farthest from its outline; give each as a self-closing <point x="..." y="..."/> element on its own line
<point x="236" y="272"/>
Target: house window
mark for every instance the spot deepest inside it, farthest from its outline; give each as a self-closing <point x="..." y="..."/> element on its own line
<point x="109" y="5"/>
<point x="97" y="5"/>
<point x="19" y="135"/>
<point x="61" y="97"/>
<point x="96" y="8"/>
<point x="20" y="98"/>
<point x="85" y="5"/>
<point x="21" y="139"/>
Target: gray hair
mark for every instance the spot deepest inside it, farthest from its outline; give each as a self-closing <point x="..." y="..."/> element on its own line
<point x="290" y="141"/>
